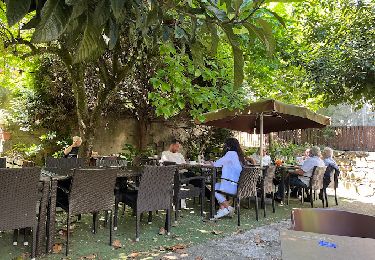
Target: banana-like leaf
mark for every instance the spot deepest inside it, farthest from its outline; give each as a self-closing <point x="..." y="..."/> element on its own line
<point x="16" y="10"/>
<point x="117" y="8"/>
<point x="278" y="17"/>
<point x="113" y="34"/>
<point x="266" y="38"/>
<point x="268" y="35"/>
<point x="102" y="13"/>
<point x="237" y="55"/>
<point x="92" y="44"/>
<point x="79" y="8"/>
<point x="214" y="38"/>
<point x="54" y="18"/>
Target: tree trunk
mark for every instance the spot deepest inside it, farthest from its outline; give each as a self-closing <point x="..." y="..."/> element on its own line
<point x="142" y="134"/>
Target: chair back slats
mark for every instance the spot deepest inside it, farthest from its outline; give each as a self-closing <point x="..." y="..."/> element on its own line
<point x="66" y="163"/>
<point x="330" y="180"/>
<point x="18" y="197"/>
<point x="111" y="163"/>
<point x="268" y="178"/>
<point x="316" y="181"/>
<point x="155" y="188"/>
<point x="92" y="190"/>
<point x="248" y="181"/>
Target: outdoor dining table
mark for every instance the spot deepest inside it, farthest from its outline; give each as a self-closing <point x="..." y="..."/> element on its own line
<point x="286" y="170"/>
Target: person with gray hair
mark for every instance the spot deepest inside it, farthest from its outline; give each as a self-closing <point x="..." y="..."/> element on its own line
<point x="303" y="174"/>
<point x="72" y="150"/>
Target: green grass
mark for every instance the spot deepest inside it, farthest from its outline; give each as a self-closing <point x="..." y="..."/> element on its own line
<point x="189" y="230"/>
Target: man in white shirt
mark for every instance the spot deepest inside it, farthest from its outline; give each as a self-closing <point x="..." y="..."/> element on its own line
<point x="302" y="180"/>
<point x="255" y="158"/>
<point x="173" y="154"/>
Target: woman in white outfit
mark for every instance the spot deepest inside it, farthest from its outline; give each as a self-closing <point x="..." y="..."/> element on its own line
<point x="231" y="164"/>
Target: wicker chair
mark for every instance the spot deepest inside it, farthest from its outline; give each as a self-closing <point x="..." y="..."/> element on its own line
<point x="111" y="163"/>
<point x="91" y="191"/>
<point x="267" y="186"/>
<point x="316" y="183"/>
<point x="154" y="193"/>
<point x="18" y="200"/>
<point x="66" y="163"/>
<point x="331" y="180"/>
<point x="246" y="188"/>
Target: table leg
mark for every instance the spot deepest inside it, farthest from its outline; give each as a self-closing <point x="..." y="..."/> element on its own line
<point x="51" y="216"/>
<point x="213" y="182"/>
<point x="283" y="171"/>
<point x="41" y="231"/>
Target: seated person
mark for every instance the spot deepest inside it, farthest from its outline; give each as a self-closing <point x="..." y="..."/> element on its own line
<point x="72" y="150"/>
<point x="303" y="174"/>
<point x="331" y="164"/>
<point x="255" y="158"/>
<point x="173" y="154"/>
<point x="300" y="160"/>
<point x="231" y="162"/>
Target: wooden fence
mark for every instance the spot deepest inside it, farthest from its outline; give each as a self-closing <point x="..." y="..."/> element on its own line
<point x="346" y="138"/>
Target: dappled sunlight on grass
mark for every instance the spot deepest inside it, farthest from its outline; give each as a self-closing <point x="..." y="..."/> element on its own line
<point x="189" y="230"/>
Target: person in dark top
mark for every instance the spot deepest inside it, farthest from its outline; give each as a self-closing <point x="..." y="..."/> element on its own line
<point x="72" y="150"/>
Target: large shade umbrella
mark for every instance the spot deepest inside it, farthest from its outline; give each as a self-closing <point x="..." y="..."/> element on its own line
<point x="265" y="117"/>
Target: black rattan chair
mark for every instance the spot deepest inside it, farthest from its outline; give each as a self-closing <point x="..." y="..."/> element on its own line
<point x="154" y="193"/>
<point x="331" y="180"/>
<point x="267" y="186"/>
<point x="246" y="188"/>
<point x="91" y="191"/>
<point x="18" y="200"/>
<point x="316" y="183"/>
<point x="66" y="163"/>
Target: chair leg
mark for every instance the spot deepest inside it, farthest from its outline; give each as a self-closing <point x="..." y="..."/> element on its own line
<point x="168" y="221"/>
<point x="33" y="250"/>
<point x="15" y="237"/>
<point x="110" y="227"/>
<point x="248" y="203"/>
<point x="105" y="218"/>
<point x="79" y="217"/>
<point x="311" y="199"/>
<point x="238" y="207"/>
<point x="264" y="203"/>
<point x="67" y="235"/>
<point x="288" y="194"/>
<point x="94" y="221"/>
<point x="256" y="207"/>
<point x="336" y="198"/>
<point x="201" y="199"/>
<point x="115" y="220"/>
<point x="137" y="226"/>
<point x="149" y="220"/>
<point x="314" y="194"/>
<point x="325" y="197"/>
<point x="177" y="208"/>
<point x="303" y="196"/>
<point x="273" y="202"/>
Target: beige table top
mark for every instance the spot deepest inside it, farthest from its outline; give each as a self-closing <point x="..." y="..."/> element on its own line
<point x="305" y="245"/>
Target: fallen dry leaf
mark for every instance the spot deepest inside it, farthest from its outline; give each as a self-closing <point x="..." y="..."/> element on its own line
<point x="134" y="255"/>
<point x="215" y="232"/>
<point x="239" y="231"/>
<point x="162" y="248"/>
<point x="162" y="231"/>
<point x="57" y="248"/>
<point x="92" y="256"/>
<point x="180" y="251"/>
<point x="258" y="240"/>
<point x="177" y="246"/>
<point x="198" y="258"/>
<point x="116" y="244"/>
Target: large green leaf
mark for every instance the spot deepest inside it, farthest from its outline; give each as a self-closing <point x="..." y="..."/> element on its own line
<point x="113" y="34"/>
<point x="16" y="10"/>
<point x="268" y="35"/>
<point x="214" y="37"/>
<point x="218" y="13"/>
<point x="92" y="43"/>
<point x="79" y="8"/>
<point x="278" y="17"/>
<point x="54" y="18"/>
<point x="102" y="13"/>
<point x="237" y="55"/>
<point x="118" y="8"/>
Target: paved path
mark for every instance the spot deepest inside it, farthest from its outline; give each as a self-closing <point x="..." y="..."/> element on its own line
<point x="262" y="242"/>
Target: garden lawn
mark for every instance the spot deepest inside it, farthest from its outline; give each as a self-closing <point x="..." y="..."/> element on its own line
<point x="190" y="230"/>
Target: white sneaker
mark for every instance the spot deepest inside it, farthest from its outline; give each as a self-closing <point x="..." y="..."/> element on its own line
<point x="221" y="213"/>
<point x="231" y="210"/>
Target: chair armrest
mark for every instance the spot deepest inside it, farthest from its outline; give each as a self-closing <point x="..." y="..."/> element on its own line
<point x="219" y="178"/>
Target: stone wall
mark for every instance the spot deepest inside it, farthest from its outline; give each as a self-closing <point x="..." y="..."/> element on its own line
<point x="358" y="168"/>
